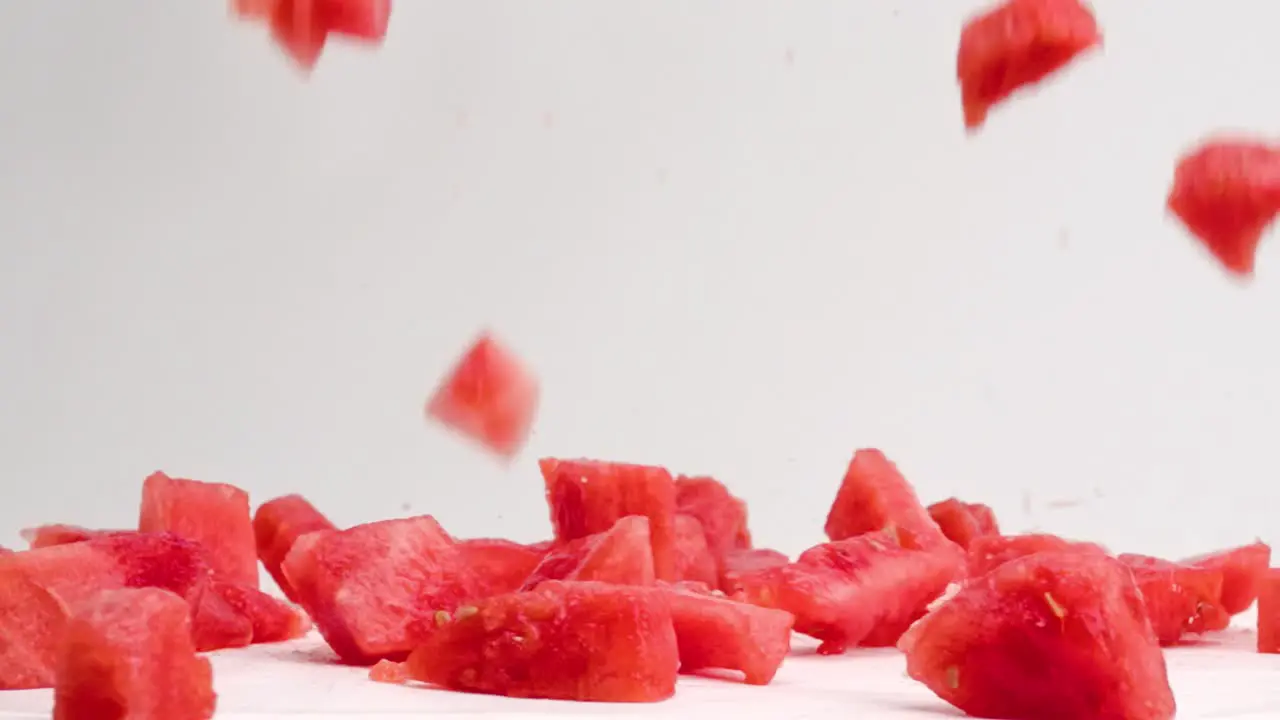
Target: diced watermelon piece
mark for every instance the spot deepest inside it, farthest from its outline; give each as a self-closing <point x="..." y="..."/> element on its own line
<point x="589" y="496"/>
<point x="961" y="522"/>
<point x="374" y="590"/>
<point x="1016" y="45"/>
<point x="741" y="563"/>
<point x="991" y="551"/>
<point x="390" y="672"/>
<point x="723" y="516"/>
<point x="216" y="515"/>
<point x="1269" y="612"/>
<point x="298" y="31"/>
<point x="1049" y="635"/>
<point x="276" y="525"/>
<point x="128" y="654"/>
<point x="1180" y="599"/>
<point x="361" y="19"/>
<point x="215" y="623"/>
<point x="32" y="620"/>
<point x="694" y="560"/>
<point x="715" y="632"/>
<point x="272" y="620"/>
<point x="1227" y="192"/>
<point x="489" y="396"/>
<point x="502" y="566"/>
<point x="874" y="496"/>
<point x="622" y="555"/>
<point x="47" y="535"/>
<point x="564" y="640"/>
<point x="864" y="590"/>
<point x="1242" y="570"/>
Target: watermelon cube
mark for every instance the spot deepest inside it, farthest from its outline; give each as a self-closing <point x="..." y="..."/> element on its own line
<point x="276" y="525"/>
<point x="694" y="560"/>
<point x="991" y="551"/>
<point x="32" y="621"/>
<point x="715" y="632"/>
<point x="1048" y="635"/>
<point x="270" y="619"/>
<point x="738" y="564"/>
<point x="374" y="590"/>
<point x="1269" y="612"/>
<point x="489" y="396"/>
<point x="961" y="522"/>
<point x="589" y="496"/>
<point x="389" y="672"/>
<point x="622" y="555"/>
<point x="216" y="515"/>
<point x="47" y="535"/>
<point x="874" y="496"/>
<point x="723" y="516"/>
<point x="1242" y="571"/>
<point x="502" y="566"/>
<point x="564" y="640"/>
<point x="128" y="654"/>
<point x="360" y="19"/>
<point x="215" y="623"/>
<point x="1180" y="599"/>
<point x="864" y="590"/>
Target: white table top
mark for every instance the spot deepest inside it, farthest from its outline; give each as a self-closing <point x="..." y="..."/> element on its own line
<point x="1221" y="678"/>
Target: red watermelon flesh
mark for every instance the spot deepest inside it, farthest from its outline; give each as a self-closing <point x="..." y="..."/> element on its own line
<point x="489" y="396"/>
<point x="389" y="672"/>
<point x="1269" y="613"/>
<point x="742" y="563"/>
<point x="1050" y="635"/>
<point x="32" y="621"/>
<point x="723" y="516"/>
<point x="564" y="640"/>
<point x="501" y="566"/>
<point x="961" y="522"/>
<point x="215" y="623"/>
<point x="874" y="496"/>
<point x="1180" y="599"/>
<point x="276" y="525"/>
<point x="271" y="620"/>
<point x="715" y="632"/>
<point x="991" y="551"/>
<point x="216" y="515"/>
<point x="48" y="535"/>
<point x="694" y="560"/>
<point x="589" y="496"/>
<point x="128" y="654"/>
<point x="845" y="593"/>
<point x="362" y="19"/>
<point x="1227" y="192"/>
<point x="623" y="556"/>
<point x="299" y="32"/>
<point x="374" y="590"/>
<point x="1016" y="45"/>
<point x="1242" y="571"/>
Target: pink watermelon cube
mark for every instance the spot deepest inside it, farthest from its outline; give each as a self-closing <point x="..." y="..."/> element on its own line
<point x="715" y="632"/>
<point x="215" y="515"/>
<point x="32" y="622"/>
<point x="270" y="619"/>
<point x="694" y="560"/>
<point x="621" y="555"/>
<point x="489" y="397"/>
<point x="276" y="525"/>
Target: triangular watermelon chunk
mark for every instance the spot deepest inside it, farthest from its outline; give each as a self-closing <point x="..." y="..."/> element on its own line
<point x="621" y="555"/>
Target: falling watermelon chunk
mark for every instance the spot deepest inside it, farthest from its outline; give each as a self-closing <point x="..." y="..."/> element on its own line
<point x="961" y="522"/>
<point x="589" y="496"/>
<point x="215" y="515"/>
<point x="621" y="555"/>
<point x="564" y="640"/>
<point x="128" y="654"/>
<point x="277" y="524"/>
<point x="1227" y="193"/>
<point x="988" y="552"/>
<point x="874" y="496"/>
<point x="489" y="396"/>
<point x="715" y="632"/>
<point x="1016" y="45"/>
<point x="1049" y="635"/>
<point x="1180" y="599"/>
<point x="302" y="27"/>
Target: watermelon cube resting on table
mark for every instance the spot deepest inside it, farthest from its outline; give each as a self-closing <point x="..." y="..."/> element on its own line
<point x="270" y="619"/>
<point x="1048" y="635"/>
<point x="622" y="555"/>
<point x="1180" y="599"/>
<point x="375" y="590"/>
<point x="1016" y="45"/>
<point x="1269" y="612"/>
<point x="961" y="522"/>
<point x="564" y="640"/>
<point x="589" y="496"/>
<point x="276" y="525"/>
<point x="723" y="517"/>
<point x="489" y="396"/>
<point x="1227" y="193"/>
<point x="874" y="496"/>
<point x="989" y="552"/>
<point x="216" y="515"/>
<point x="694" y="559"/>
<point x="127" y="655"/>
<point x="1242" y="571"/>
<point x="715" y="632"/>
<point x="502" y="566"/>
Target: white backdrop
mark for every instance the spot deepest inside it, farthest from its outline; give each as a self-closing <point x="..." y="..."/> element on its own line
<point x="740" y="237"/>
